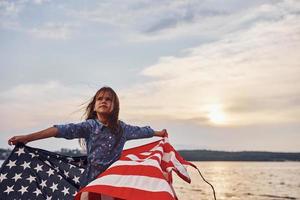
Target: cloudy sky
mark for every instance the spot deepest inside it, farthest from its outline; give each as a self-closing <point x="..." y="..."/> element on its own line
<point x="220" y="75"/>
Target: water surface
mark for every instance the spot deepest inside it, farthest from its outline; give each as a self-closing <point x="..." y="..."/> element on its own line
<point x="242" y="180"/>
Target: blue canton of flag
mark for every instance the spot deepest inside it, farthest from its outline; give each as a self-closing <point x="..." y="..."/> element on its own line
<point x="35" y="174"/>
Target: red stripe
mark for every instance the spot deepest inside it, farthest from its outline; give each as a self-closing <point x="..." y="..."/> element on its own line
<point x="170" y="164"/>
<point x="149" y="171"/>
<point x="126" y="193"/>
<point x="143" y="157"/>
<point x="143" y="148"/>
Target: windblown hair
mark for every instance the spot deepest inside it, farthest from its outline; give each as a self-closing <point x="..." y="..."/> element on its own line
<point x="113" y="118"/>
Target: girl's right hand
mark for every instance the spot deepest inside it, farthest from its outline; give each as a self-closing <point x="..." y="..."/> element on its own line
<point x="21" y="138"/>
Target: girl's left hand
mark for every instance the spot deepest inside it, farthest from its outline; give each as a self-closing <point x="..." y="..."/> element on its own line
<point x="162" y="133"/>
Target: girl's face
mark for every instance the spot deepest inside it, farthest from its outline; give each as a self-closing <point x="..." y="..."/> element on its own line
<point x="104" y="103"/>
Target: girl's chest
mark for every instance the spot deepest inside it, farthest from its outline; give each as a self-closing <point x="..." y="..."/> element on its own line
<point x="103" y="136"/>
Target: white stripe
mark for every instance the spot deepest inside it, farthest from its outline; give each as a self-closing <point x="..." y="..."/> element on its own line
<point x="170" y="157"/>
<point x="157" y="155"/>
<point x="136" y="158"/>
<point x="149" y="162"/>
<point x="145" y="153"/>
<point x="136" y="182"/>
<point x="157" y="148"/>
<point x="132" y="157"/>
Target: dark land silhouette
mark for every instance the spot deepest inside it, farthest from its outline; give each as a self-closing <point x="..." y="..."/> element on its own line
<point x="203" y="155"/>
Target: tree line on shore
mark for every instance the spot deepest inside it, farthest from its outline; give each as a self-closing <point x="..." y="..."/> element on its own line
<point x="203" y="155"/>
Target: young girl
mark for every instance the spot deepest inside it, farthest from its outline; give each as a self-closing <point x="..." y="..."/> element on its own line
<point x="103" y="132"/>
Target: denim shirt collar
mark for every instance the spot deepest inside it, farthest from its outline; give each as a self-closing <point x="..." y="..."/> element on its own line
<point x="102" y="126"/>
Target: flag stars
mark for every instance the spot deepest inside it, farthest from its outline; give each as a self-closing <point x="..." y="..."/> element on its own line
<point x="20" y="151"/>
<point x="37" y="192"/>
<point x="11" y="164"/>
<point x="66" y="173"/>
<point x="48" y="163"/>
<point x="23" y="189"/>
<point x="76" y="179"/>
<point x="17" y="177"/>
<point x="9" y="189"/>
<point x="38" y="168"/>
<point x="80" y="163"/>
<point x="54" y="187"/>
<point x="43" y="184"/>
<point x="50" y="172"/>
<point x="3" y="177"/>
<point x="26" y="165"/>
<point x="75" y="194"/>
<point x="30" y="178"/>
<point x="27" y="174"/>
<point x="65" y="191"/>
<point x="81" y="170"/>
<point x="33" y="155"/>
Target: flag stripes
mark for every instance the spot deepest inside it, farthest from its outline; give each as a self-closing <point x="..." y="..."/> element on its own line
<point x="141" y="173"/>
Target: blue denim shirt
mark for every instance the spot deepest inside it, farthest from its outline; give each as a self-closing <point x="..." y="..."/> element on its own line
<point x="102" y="149"/>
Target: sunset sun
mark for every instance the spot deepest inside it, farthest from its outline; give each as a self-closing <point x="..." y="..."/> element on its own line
<point x="216" y="115"/>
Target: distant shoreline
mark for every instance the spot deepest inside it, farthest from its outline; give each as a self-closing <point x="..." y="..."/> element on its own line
<point x="209" y="155"/>
<point x="205" y="155"/>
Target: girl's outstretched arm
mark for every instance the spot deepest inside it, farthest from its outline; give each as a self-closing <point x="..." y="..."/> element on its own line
<point x="162" y="133"/>
<point x="49" y="132"/>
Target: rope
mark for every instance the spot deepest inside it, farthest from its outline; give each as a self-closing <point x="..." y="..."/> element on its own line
<point x="208" y="184"/>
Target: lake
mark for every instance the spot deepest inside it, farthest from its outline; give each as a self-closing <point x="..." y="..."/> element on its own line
<point x="241" y="181"/>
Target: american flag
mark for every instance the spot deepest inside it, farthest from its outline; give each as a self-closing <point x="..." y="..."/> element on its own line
<point x="144" y="172"/>
<point x="35" y="174"/>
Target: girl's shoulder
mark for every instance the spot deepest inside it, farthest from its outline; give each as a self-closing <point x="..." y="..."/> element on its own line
<point x="91" y="122"/>
<point x="122" y="124"/>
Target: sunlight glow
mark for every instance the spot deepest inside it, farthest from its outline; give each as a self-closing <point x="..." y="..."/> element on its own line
<point x="216" y="114"/>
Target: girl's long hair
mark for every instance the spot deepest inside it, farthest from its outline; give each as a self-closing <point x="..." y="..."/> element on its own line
<point x="113" y="118"/>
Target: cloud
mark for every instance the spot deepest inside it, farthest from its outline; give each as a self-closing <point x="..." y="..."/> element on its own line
<point x="8" y="8"/>
<point x="41" y="1"/>
<point x="10" y="19"/>
<point x="53" y="31"/>
<point x="145" y="21"/>
<point x="33" y="105"/>
<point x="252" y="73"/>
<point x="251" y="68"/>
<point x="14" y="8"/>
<point x="140" y="21"/>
